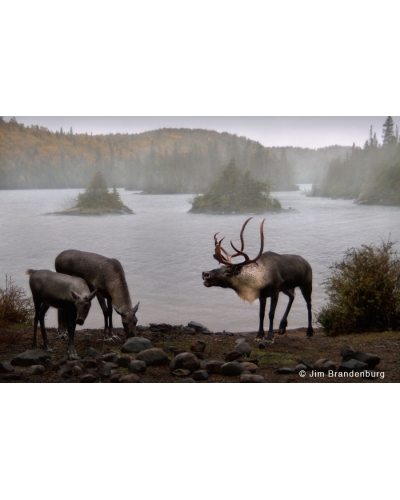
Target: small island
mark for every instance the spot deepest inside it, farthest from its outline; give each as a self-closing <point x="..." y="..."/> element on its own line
<point x="97" y="200"/>
<point x="236" y="192"/>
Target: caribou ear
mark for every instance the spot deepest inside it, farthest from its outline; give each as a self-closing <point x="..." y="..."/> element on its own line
<point x="75" y="295"/>
<point x="92" y="295"/>
<point x="116" y="310"/>
<point x="134" y="310"/>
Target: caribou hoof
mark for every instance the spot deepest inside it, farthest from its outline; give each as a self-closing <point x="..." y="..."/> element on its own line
<point x="62" y="336"/>
<point x="261" y="343"/>
<point x="116" y="338"/>
<point x="74" y="357"/>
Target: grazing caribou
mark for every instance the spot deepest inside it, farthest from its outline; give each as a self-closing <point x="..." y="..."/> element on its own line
<point x="265" y="276"/>
<point x="70" y="295"/>
<point x="108" y="278"/>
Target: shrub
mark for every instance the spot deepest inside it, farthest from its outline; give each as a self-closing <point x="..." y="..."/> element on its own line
<point x="363" y="291"/>
<point x="15" y="307"/>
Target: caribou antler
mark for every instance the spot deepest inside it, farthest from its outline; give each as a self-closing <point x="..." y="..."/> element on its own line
<point x="227" y="260"/>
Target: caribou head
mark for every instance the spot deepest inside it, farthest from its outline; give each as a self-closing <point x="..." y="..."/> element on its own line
<point x="223" y="276"/>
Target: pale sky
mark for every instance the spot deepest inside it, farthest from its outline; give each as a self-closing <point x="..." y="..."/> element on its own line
<point x="310" y="132"/>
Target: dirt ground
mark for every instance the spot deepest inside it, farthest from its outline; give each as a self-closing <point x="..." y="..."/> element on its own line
<point x="287" y="351"/>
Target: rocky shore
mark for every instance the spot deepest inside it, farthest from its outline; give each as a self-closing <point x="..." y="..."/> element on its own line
<point x="193" y="354"/>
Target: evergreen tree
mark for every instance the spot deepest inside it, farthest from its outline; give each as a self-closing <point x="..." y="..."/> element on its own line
<point x="388" y="132"/>
<point x="234" y="191"/>
<point x="97" y="197"/>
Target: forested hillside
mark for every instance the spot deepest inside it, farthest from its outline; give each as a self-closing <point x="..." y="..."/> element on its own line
<point x="310" y="164"/>
<point x="161" y="161"/>
<point x="370" y="174"/>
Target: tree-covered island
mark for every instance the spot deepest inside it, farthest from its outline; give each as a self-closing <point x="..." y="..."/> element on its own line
<point x="235" y="191"/>
<point x="369" y="175"/>
<point x="97" y="200"/>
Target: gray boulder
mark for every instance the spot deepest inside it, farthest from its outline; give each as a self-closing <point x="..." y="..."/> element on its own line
<point x="244" y="348"/>
<point x="107" y="369"/>
<point x="232" y="368"/>
<point x="285" y="370"/>
<point x="324" y="365"/>
<point x="136" y="345"/>
<point x="91" y="363"/>
<point x="200" y="375"/>
<point x="307" y="363"/>
<point x="198" y="327"/>
<point x="111" y="357"/>
<point x="233" y="356"/>
<point x="29" y="358"/>
<point x="371" y="359"/>
<point x="93" y="353"/>
<point x="116" y="377"/>
<point x="186" y="361"/>
<point x="213" y="365"/>
<point x="198" y="346"/>
<point x="250" y="367"/>
<point x="36" y="370"/>
<point x="352" y="365"/>
<point x="300" y="367"/>
<point x="124" y="361"/>
<point x="153" y="357"/>
<point x="77" y="371"/>
<point x="137" y="366"/>
<point x="347" y="352"/>
<point x="188" y="331"/>
<point x="6" y="367"/>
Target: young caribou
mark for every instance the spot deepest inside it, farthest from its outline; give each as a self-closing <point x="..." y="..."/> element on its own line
<point x="70" y="295"/>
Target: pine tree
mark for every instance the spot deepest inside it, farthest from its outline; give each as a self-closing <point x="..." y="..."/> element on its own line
<point x="234" y="191"/>
<point x="388" y="133"/>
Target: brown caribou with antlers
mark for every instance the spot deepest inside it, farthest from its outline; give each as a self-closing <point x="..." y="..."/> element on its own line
<point x="265" y="276"/>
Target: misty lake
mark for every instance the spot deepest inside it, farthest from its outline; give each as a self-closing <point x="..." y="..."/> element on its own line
<point x="164" y="249"/>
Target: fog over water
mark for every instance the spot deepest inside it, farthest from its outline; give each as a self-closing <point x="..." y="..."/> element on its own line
<point x="164" y="249"/>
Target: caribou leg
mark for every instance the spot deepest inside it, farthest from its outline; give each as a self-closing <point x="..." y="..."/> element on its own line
<point x="283" y="324"/>
<point x="43" y="311"/>
<point x="271" y="315"/>
<point x="38" y="305"/>
<point x="71" y="326"/>
<point x="114" y="338"/>
<point x="62" y="329"/>
<point x="263" y="301"/>
<point x="110" y="311"/>
<point x="106" y="314"/>
<point x="307" y="297"/>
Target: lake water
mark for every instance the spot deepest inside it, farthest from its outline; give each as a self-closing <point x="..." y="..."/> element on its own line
<point x="164" y="249"/>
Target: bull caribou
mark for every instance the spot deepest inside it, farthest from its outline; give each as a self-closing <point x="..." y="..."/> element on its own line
<point x="264" y="276"/>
